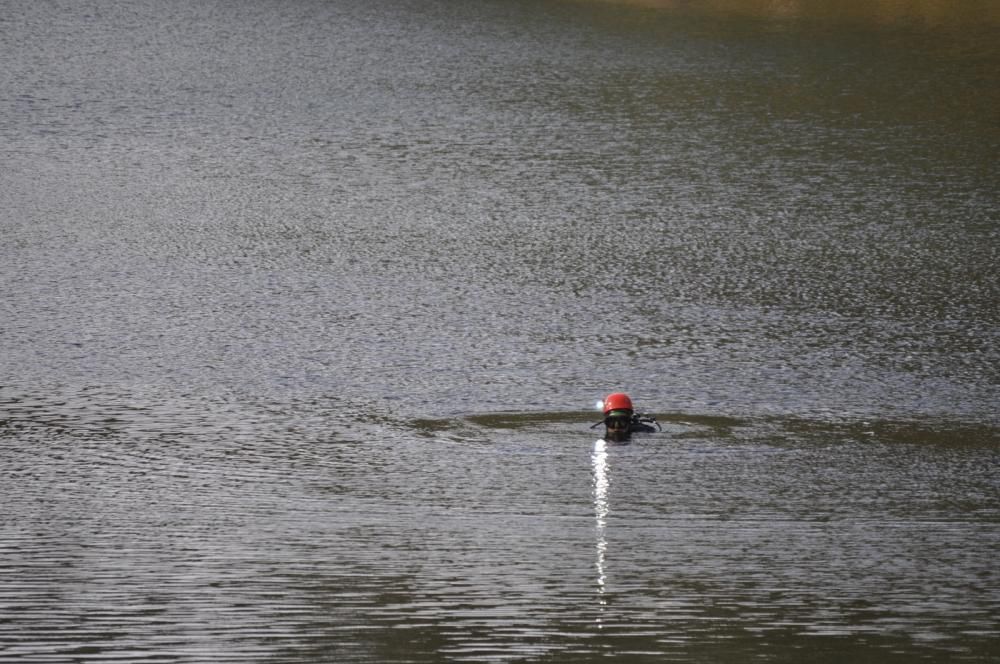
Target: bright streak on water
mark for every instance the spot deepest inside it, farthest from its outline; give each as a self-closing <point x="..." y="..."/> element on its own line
<point x="601" y="482"/>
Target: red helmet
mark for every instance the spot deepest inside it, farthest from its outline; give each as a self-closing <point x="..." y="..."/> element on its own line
<point x="617" y="401"/>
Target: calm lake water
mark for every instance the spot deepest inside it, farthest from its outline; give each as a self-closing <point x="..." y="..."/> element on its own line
<point x="305" y="307"/>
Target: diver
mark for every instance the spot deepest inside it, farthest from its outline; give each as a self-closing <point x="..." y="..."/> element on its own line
<point x="621" y="421"/>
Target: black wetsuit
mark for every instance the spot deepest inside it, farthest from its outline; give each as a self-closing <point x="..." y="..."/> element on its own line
<point x="639" y="424"/>
<point x="642" y="427"/>
<point x="644" y="424"/>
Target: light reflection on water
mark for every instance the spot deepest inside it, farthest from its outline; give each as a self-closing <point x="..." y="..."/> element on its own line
<point x="599" y="459"/>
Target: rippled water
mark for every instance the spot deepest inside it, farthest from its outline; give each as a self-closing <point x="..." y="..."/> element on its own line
<point x="257" y="534"/>
<point x="305" y="307"/>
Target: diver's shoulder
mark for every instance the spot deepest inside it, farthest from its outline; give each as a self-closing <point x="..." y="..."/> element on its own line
<point x="643" y="423"/>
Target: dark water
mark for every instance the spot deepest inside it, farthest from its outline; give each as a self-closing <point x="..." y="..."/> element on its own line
<point x="306" y="305"/>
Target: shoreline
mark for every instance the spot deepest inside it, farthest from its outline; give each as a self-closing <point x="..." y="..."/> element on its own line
<point x="927" y="13"/>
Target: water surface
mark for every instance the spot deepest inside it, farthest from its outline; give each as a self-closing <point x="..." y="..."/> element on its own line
<point x="305" y="307"/>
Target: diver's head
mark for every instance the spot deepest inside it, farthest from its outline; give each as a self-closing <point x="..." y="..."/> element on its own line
<point x="618" y="414"/>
